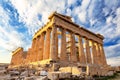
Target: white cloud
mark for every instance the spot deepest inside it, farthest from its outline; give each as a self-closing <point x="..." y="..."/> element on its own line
<point x="111" y="4"/>
<point x="114" y="61"/>
<point x="5" y="56"/>
<point x="93" y="21"/>
<point x="112" y="50"/>
<point x="117" y="21"/>
<point x="10" y="38"/>
<point x="85" y="4"/>
<point x="69" y="12"/>
<point x="30" y="9"/>
<point x="70" y="2"/>
<point x="82" y="16"/>
<point x="109" y="19"/>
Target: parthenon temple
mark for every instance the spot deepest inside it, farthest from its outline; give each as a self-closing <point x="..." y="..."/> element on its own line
<point x="64" y="44"/>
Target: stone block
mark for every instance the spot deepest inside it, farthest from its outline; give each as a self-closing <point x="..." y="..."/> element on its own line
<point x="66" y="69"/>
<point x="75" y="71"/>
<point x="53" y="75"/>
<point x="43" y="73"/>
<point x="41" y="78"/>
<point x="64" y="75"/>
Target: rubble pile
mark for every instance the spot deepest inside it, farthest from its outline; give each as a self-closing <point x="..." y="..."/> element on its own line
<point x="33" y="73"/>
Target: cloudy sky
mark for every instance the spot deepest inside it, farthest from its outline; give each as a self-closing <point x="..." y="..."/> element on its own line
<point x="20" y="19"/>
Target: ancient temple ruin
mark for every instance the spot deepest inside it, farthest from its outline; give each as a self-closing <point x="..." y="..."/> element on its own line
<point x="66" y="46"/>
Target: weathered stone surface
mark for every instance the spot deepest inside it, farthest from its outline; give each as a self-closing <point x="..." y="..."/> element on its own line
<point x="58" y="75"/>
<point x="53" y="75"/>
<point x="43" y="73"/>
<point x="81" y="50"/>
<point x="56" y="42"/>
<point x="66" y="69"/>
<point x="47" y="45"/>
<point x="63" y="55"/>
<point x="64" y="75"/>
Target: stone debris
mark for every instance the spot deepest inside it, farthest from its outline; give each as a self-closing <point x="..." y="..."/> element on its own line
<point x="43" y="73"/>
<point x="58" y="75"/>
<point x="35" y="73"/>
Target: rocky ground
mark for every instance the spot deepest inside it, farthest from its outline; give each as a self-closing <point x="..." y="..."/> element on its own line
<point x="33" y="74"/>
<point x="16" y="74"/>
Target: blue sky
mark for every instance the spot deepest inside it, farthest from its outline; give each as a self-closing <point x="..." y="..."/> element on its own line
<point x="20" y="19"/>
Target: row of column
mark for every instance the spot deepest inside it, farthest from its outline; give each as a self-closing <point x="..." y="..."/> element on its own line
<point x="94" y="56"/>
<point x="45" y="46"/>
<point x="40" y="47"/>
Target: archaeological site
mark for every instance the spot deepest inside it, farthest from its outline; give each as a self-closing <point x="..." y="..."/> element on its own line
<point x="61" y="49"/>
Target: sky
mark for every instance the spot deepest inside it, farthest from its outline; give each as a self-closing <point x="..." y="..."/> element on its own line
<point x="20" y="19"/>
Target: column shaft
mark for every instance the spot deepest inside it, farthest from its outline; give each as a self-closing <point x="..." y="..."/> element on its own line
<point x="57" y="46"/>
<point x="37" y="49"/>
<point x="81" y="50"/>
<point x="103" y="55"/>
<point x="42" y="46"/>
<point x="73" y="56"/>
<point x="47" y="45"/>
<point x="88" y="55"/>
<point x="63" y="55"/>
<point x="54" y="42"/>
<point x="94" y="53"/>
<point x="39" y="44"/>
<point x="98" y="54"/>
<point x="33" y="50"/>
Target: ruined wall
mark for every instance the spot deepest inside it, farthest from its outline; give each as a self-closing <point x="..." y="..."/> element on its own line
<point x="18" y="57"/>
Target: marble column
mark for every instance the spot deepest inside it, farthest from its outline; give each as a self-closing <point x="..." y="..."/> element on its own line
<point x="88" y="55"/>
<point x="94" y="53"/>
<point x="37" y="48"/>
<point x="47" y="45"/>
<point x="57" y="57"/>
<point x="54" y="42"/>
<point x="81" y="50"/>
<point x="103" y="55"/>
<point x="73" y="55"/>
<point x="63" y="55"/>
<point x="42" y="46"/>
<point x="33" y="50"/>
<point x="98" y="54"/>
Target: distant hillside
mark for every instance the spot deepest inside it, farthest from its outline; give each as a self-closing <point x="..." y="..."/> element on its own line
<point x="4" y="64"/>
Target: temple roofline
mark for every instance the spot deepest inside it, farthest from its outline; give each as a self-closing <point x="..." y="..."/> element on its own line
<point x="67" y="19"/>
<point x="16" y="50"/>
